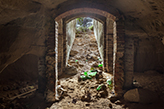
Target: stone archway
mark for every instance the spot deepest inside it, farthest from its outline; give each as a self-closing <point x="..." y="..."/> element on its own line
<point x="113" y="46"/>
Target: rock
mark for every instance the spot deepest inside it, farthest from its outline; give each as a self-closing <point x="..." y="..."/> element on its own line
<point x="73" y="53"/>
<point x="86" y="97"/>
<point x="74" y="101"/>
<point x="118" y="102"/>
<point x="150" y="80"/>
<point x="99" y="76"/>
<point x="5" y="88"/>
<point x="93" y="45"/>
<point x="81" y="65"/>
<point x="78" y="57"/>
<point x="70" y="70"/>
<point x="95" y="65"/>
<point x="103" y="94"/>
<point x="94" y="57"/>
<point x="140" y="96"/>
<point x="110" y="105"/>
<point x="80" y="44"/>
<point x="124" y="106"/>
<point x="113" y="99"/>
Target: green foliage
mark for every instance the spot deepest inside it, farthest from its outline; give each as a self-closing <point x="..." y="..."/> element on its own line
<point x="109" y="82"/>
<point x="85" y="73"/>
<point x="110" y="85"/>
<point x="91" y="27"/>
<point x="100" y="65"/>
<point x="99" y="87"/>
<point x="88" y="75"/>
<point x="92" y="74"/>
<point x="83" y="77"/>
<point x="80" y="19"/>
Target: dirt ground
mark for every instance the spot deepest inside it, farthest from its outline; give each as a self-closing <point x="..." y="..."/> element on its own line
<point x="76" y="93"/>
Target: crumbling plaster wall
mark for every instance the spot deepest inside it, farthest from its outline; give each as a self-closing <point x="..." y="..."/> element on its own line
<point x="23" y="44"/>
<point x="146" y="46"/>
<point x="70" y="36"/>
<point x="149" y="55"/>
<point x="99" y="35"/>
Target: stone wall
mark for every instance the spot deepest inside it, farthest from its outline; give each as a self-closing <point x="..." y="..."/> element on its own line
<point x="22" y="36"/>
<point x="108" y="45"/>
<point x="149" y="55"/>
<point x="24" y="48"/>
<point x="70" y="36"/>
<point x="129" y="62"/>
<point x="119" y="62"/>
<point x="113" y="32"/>
<point x="99" y="35"/>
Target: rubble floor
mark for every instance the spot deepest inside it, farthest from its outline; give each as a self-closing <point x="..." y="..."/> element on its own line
<point x="75" y="93"/>
<point x="82" y="94"/>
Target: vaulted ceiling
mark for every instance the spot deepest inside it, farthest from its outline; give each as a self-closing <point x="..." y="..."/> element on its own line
<point x="145" y="14"/>
<point x="23" y="23"/>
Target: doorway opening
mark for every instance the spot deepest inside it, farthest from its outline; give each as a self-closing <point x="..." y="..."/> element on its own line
<point x="83" y="42"/>
<point x="112" y="48"/>
<point x="84" y="77"/>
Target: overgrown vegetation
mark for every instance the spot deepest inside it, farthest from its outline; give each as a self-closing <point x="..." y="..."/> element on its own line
<point x="82" y="26"/>
<point x="80" y="21"/>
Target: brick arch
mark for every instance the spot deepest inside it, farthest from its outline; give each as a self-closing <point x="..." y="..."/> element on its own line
<point x="93" y="16"/>
<point x="113" y="35"/>
<point x="86" y="10"/>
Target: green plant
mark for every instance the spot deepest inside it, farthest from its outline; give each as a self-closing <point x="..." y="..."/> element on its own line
<point x="80" y="19"/>
<point x="92" y="74"/>
<point x="99" y="87"/>
<point x="100" y="65"/>
<point x="91" y="27"/>
<point x="109" y="82"/>
<point x="88" y="75"/>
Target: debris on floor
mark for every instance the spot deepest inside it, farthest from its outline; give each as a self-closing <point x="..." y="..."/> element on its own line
<point x="91" y="86"/>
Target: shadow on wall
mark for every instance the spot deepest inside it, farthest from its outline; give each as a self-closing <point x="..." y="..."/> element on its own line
<point x="24" y="69"/>
<point x="149" y="55"/>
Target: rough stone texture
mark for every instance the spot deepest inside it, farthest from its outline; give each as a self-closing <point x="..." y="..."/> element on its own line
<point x="24" y="69"/>
<point x="140" y="96"/>
<point x="22" y="36"/>
<point x="70" y="70"/>
<point x="149" y="55"/>
<point x="129" y="62"/>
<point x="132" y="95"/>
<point x="151" y="80"/>
<point x="42" y="75"/>
<point x="24" y="28"/>
<point x="50" y="63"/>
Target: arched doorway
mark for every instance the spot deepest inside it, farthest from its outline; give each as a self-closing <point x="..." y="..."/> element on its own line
<point x="113" y="50"/>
